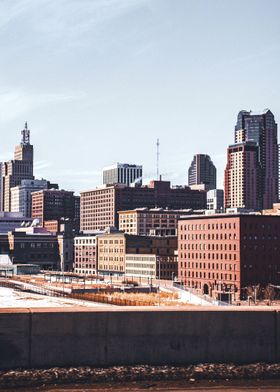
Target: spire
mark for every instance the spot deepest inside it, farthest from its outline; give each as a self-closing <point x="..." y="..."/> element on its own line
<point x="25" y="135"/>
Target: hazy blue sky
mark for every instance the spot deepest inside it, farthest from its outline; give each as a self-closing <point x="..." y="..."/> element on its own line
<point x="100" y="80"/>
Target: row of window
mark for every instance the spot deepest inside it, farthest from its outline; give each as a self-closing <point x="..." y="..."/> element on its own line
<point x="207" y="275"/>
<point x="208" y="246"/>
<point x="209" y="256"/>
<point x="213" y="226"/>
<point x="196" y="237"/>
<point x="213" y="266"/>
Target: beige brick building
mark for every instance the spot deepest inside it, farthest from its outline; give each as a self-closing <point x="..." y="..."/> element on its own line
<point x="154" y="221"/>
<point x="112" y="248"/>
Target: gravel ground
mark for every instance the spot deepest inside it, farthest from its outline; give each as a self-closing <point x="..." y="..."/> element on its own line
<point x="147" y="375"/>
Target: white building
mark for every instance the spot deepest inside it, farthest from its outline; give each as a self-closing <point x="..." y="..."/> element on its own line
<point x="122" y="173"/>
<point x="215" y="200"/>
<point x="21" y="200"/>
<point x="85" y="255"/>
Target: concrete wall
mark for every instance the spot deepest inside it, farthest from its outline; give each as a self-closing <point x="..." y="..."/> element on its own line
<point x="101" y="337"/>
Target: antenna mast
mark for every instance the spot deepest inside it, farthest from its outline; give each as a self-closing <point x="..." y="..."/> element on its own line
<point x="25" y="135"/>
<point x="157" y="159"/>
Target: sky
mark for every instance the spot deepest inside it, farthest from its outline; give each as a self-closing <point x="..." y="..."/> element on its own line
<point x="100" y="80"/>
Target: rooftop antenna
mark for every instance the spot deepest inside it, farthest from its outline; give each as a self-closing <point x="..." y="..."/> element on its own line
<point x="157" y="159"/>
<point x="25" y="135"/>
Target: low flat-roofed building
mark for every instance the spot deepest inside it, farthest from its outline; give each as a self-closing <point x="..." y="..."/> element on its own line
<point x="34" y="245"/>
<point x="222" y="254"/>
<point x="9" y="221"/>
<point x="112" y="248"/>
<point x="85" y="255"/>
<point x="151" y="266"/>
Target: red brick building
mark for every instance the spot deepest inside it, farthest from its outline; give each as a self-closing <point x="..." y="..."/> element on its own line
<point x="52" y="205"/>
<point x="99" y="207"/>
<point x="223" y="254"/>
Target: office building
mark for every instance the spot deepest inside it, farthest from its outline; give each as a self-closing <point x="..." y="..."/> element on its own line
<point x="215" y="200"/>
<point x="242" y="177"/>
<point x="153" y="221"/>
<point x="221" y="255"/>
<point x="34" y="245"/>
<point x="261" y="128"/>
<point x="99" y="207"/>
<point x="18" y="169"/>
<point x="151" y="267"/>
<point x="53" y="204"/>
<point x="85" y="255"/>
<point x="21" y="200"/>
<point x="122" y="173"/>
<point x="113" y="246"/>
<point x="202" y="173"/>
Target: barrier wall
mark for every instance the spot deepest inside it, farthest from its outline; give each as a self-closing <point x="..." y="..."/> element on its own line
<point x="41" y="338"/>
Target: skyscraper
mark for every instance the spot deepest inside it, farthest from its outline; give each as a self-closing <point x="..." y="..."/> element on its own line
<point x="242" y="177"/>
<point x="202" y="171"/>
<point x="261" y="128"/>
<point x="122" y="173"/>
<point x="20" y="168"/>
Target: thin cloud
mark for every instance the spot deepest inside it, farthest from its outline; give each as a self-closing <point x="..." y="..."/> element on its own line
<point x="14" y="104"/>
<point x="41" y="165"/>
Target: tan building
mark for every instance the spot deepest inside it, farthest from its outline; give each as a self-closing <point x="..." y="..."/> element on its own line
<point x="112" y="248"/>
<point x="275" y="210"/>
<point x="242" y="177"/>
<point x="151" y="266"/>
<point x="154" y="221"/>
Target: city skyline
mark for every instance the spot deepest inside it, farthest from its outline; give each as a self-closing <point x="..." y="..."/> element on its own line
<point x="111" y="73"/>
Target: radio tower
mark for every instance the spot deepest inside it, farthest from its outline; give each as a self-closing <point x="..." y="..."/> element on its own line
<point x="157" y="159"/>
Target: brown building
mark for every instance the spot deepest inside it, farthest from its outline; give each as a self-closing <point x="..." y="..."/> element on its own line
<point x="154" y="221"/>
<point x="99" y="207"/>
<point x="222" y="254"/>
<point x="20" y="168"/>
<point x="34" y="246"/>
<point x="114" y="246"/>
<point x="52" y="205"/>
<point x="85" y="255"/>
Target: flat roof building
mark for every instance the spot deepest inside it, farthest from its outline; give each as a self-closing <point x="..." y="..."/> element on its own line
<point x="122" y="173"/>
<point x="114" y="245"/>
<point x="153" y="221"/>
<point x="221" y="255"/>
<point x="99" y="207"/>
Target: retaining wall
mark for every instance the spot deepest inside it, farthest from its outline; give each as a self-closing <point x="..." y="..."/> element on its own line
<point x="40" y="338"/>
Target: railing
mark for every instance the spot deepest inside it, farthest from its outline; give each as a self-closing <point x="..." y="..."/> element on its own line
<point x="100" y="298"/>
<point x="204" y="297"/>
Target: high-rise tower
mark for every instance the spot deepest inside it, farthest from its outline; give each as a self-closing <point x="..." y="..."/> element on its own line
<point x="20" y="168"/>
<point x="202" y="171"/>
<point x="260" y="129"/>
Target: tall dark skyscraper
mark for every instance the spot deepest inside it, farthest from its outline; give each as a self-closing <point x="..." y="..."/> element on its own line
<point x="261" y="128"/>
<point x="202" y="172"/>
<point x="20" y="168"/>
